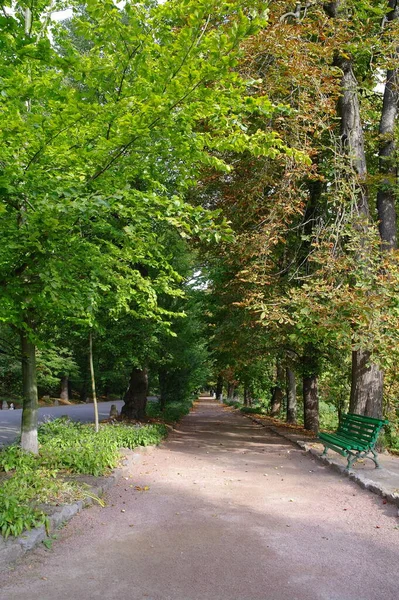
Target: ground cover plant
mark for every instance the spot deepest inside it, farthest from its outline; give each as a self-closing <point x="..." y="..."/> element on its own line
<point x="171" y="412"/>
<point x="66" y="447"/>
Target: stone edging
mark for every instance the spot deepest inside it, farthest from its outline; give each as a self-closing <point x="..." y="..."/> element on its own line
<point x="13" y="548"/>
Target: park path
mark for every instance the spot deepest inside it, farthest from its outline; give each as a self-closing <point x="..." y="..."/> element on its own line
<point x="233" y="512"/>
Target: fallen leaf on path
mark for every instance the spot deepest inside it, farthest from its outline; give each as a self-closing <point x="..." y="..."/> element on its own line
<point x="139" y="488"/>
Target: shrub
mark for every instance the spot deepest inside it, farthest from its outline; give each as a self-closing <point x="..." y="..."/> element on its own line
<point x="172" y="412"/>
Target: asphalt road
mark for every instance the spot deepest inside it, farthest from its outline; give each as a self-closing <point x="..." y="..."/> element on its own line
<point x="10" y="420"/>
<point x="224" y="510"/>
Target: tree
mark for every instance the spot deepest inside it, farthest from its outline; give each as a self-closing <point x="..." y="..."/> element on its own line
<point x="101" y="126"/>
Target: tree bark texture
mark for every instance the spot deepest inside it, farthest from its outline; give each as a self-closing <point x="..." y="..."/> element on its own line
<point x="30" y="398"/>
<point x="135" y="398"/>
<point x="230" y="391"/>
<point x="311" y="403"/>
<point x="366" y="376"/>
<point x="387" y="152"/>
<point x="219" y="387"/>
<point x="247" y="396"/>
<point x="291" y="396"/>
<point x="64" y="384"/>
<point x="367" y="385"/>
<point x="352" y="138"/>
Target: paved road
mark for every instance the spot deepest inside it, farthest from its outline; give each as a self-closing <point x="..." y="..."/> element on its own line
<point x="10" y="420"/>
<point x="233" y="512"/>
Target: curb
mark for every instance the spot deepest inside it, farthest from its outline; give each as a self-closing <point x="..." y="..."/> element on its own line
<point x="359" y="478"/>
<point x="14" y="548"/>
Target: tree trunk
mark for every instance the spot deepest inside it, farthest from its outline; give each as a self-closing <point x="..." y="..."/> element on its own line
<point x="277" y="393"/>
<point x="366" y="376"/>
<point x="311" y="403"/>
<point x="30" y="398"/>
<point x="367" y="385"/>
<point x="135" y="398"/>
<point x="93" y="382"/>
<point x="230" y="391"/>
<point x="219" y="387"/>
<point x="162" y="378"/>
<point x="291" y="396"/>
<point x="64" y="393"/>
<point x="247" y="397"/>
<point x="387" y="154"/>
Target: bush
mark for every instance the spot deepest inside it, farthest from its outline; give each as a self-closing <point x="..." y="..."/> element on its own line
<point x="172" y="412"/>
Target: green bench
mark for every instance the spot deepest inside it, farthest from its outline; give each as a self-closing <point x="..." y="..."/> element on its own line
<point x="355" y="438"/>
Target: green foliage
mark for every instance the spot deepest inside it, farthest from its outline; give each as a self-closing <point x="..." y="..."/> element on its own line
<point x="72" y="446"/>
<point x="172" y="412"/>
<point x="65" y="446"/>
<point x="53" y="362"/>
<point x="253" y="410"/>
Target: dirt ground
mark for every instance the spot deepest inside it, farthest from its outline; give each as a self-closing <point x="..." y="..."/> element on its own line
<point x="224" y="510"/>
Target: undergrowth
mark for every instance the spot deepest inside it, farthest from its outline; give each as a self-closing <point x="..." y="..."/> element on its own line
<point x="172" y="412"/>
<point x="65" y="447"/>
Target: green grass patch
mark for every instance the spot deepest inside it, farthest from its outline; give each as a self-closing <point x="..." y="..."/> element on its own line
<point x="65" y="447"/>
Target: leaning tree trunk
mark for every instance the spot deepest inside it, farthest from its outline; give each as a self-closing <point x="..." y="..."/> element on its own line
<point x="135" y="398"/>
<point x="64" y="384"/>
<point x="310" y="403"/>
<point x="29" y="440"/>
<point x="291" y="396"/>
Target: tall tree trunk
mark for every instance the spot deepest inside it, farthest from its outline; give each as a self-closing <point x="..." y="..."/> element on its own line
<point x="291" y="396"/>
<point x="30" y="398"/>
<point x="366" y="376"/>
<point x="387" y="154"/>
<point x="64" y="384"/>
<point x="93" y="382"/>
<point x="135" y="398"/>
<point x="311" y="403"/>
<point x="277" y="392"/>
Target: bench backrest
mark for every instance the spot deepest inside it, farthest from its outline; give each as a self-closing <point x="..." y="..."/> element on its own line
<point x="360" y="428"/>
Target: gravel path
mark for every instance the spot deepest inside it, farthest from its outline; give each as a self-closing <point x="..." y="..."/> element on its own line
<point x="233" y="512"/>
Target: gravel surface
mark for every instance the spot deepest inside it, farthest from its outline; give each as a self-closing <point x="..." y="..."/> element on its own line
<point x="225" y="510"/>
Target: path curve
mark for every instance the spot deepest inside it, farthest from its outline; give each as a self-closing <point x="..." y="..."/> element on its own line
<point x="233" y="512"/>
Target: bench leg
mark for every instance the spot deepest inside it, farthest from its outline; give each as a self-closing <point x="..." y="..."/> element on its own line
<point x="325" y="451"/>
<point x="352" y="458"/>
<point x="375" y="459"/>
